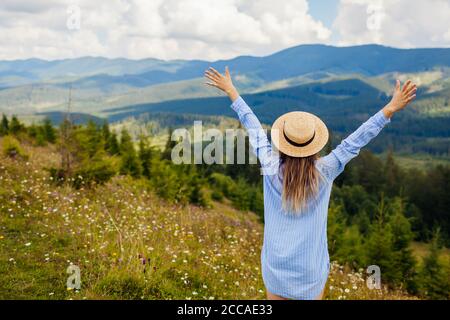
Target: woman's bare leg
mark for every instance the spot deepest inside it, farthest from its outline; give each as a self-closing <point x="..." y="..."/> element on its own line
<point x="320" y="296"/>
<point x="271" y="296"/>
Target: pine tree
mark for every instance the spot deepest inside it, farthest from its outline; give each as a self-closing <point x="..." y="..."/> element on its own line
<point x="93" y="143"/>
<point x="15" y="126"/>
<point x="167" y="153"/>
<point x="351" y="249"/>
<point x="49" y="133"/>
<point x="434" y="281"/>
<point x="112" y="145"/>
<point x="393" y="176"/>
<point x="145" y="155"/>
<point x="379" y="249"/>
<point x="197" y="195"/>
<point x="335" y="229"/>
<point x="4" y="126"/>
<point x="130" y="162"/>
<point x="32" y="130"/>
<point x="401" y="240"/>
<point x="106" y="134"/>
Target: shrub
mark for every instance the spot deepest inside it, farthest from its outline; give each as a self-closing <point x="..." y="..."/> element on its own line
<point x="98" y="171"/>
<point x="121" y="286"/>
<point x="12" y="149"/>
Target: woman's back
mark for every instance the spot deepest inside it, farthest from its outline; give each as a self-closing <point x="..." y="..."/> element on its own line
<point x="294" y="256"/>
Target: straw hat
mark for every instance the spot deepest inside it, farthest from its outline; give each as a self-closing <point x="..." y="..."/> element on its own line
<point x="299" y="134"/>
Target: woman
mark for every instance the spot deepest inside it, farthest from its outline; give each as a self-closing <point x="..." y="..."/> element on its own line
<point x="297" y="186"/>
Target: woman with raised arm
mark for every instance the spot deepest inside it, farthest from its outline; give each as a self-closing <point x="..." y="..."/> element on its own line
<point x="297" y="186"/>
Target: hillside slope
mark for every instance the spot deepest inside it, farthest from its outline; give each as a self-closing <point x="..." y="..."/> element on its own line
<point x="128" y="243"/>
<point x="342" y="104"/>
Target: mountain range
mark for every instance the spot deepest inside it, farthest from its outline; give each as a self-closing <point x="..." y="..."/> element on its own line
<point x="341" y="84"/>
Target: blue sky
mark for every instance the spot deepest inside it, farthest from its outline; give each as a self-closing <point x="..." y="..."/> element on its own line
<point x="324" y="10"/>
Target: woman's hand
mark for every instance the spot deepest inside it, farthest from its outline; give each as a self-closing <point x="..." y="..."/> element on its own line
<point x="222" y="82"/>
<point x="401" y="98"/>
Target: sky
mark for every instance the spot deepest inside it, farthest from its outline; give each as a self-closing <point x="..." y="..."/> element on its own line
<point x="212" y="30"/>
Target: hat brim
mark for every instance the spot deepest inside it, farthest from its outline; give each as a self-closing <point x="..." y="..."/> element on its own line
<point x="279" y="140"/>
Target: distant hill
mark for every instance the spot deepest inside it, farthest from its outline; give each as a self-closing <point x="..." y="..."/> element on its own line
<point x="341" y="97"/>
<point x="56" y="117"/>
<point x="343" y="105"/>
<point x="367" y="60"/>
<point x="34" y="85"/>
<point x="344" y="85"/>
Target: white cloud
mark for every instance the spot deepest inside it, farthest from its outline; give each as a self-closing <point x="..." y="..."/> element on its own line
<point x="206" y="29"/>
<point x="166" y="29"/>
<point x="397" y="23"/>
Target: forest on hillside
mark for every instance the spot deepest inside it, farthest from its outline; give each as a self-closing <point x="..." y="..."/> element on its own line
<point x="377" y="208"/>
<point x="342" y="104"/>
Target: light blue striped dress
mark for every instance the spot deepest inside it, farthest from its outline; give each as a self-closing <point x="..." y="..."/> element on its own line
<point x="294" y="258"/>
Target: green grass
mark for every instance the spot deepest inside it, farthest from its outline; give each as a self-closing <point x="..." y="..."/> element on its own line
<point x="422" y="161"/>
<point x="190" y="252"/>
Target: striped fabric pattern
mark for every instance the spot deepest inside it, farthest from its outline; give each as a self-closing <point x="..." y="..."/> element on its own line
<point x="294" y="258"/>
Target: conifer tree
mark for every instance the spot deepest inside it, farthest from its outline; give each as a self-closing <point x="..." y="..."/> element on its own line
<point x="112" y="145"/>
<point x="378" y="247"/>
<point x="130" y="162"/>
<point x="106" y="134"/>
<point x="434" y="281"/>
<point x="15" y="126"/>
<point x="401" y="240"/>
<point x="4" y="126"/>
<point x="393" y="176"/>
<point x="167" y="153"/>
<point x="145" y="155"/>
<point x="93" y="143"/>
<point x="49" y="133"/>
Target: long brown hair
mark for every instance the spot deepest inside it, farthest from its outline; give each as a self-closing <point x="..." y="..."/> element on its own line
<point x="300" y="181"/>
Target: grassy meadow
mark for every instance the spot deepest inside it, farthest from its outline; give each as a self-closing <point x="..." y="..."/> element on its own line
<point x="129" y="243"/>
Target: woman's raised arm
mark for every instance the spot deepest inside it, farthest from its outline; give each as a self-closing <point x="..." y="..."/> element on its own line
<point x="333" y="164"/>
<point x="257" y="136"/>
